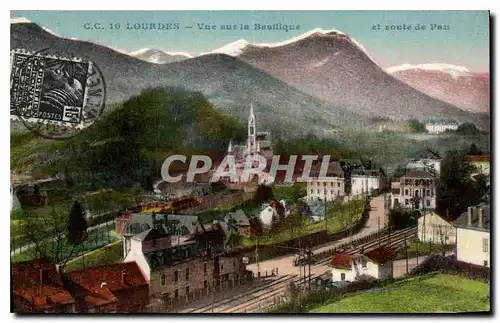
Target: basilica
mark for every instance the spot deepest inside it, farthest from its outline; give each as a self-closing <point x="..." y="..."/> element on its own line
<point x="256" y="143"/>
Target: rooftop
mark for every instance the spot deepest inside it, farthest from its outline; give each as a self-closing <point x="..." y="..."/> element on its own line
<point x="463" y="221"/>
<point x="341" y="260"/>
<point x="39" y="282"/>
<point x="380" y="255"/>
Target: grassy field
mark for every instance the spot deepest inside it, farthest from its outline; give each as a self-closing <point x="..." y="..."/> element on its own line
<point x="340" y="216"/>
<point x="96" y="239"/>
<point x="109" y="254"/>
<point x="422" y="249"/>
<point x="426" y="294"/>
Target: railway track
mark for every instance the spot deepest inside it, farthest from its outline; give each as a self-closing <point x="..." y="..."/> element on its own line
<point x="254" y="290"/>
<point x="393" y="240"/>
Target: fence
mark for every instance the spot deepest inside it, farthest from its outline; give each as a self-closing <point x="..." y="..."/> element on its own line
<point x="310" y="240"/>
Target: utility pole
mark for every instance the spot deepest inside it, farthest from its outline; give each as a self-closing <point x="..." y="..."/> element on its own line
<point x="326" y="213"/>
<point x="406" y="253"/>
<point x="257" y="257"/>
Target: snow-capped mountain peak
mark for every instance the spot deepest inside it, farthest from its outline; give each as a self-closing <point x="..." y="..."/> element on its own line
<point x="237" y="47"/>
<point x="24" y="20"/>
<point x="453" y="70"/>
<point x="20" y="20"/>
<point x="232" y="49"/>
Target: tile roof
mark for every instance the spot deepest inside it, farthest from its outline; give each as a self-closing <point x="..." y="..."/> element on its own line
<point x="341" y="260"/>
<point x="27" y="283"/>
<point x="380" y="255"/>
<point x="240" y="217"/>
<point x="151" y="234"/>
<point x="418" y="173"/>
<point x="462" y="220"/>
<point x="99" y="283"/>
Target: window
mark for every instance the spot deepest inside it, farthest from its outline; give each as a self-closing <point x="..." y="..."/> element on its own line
<point x="428" y="192"/>
<point x="331" y="183"/>
<point x="338" y="192"/>
<point x="221" y="267"/>
<point x="485" y="245"/>
<point x="205" y="284"/>
<point x="485" y="263"/>
<point x="324" y="183"/>
<point x="163" y="280"/>
<point x="187" y="273"/>
<point x="363" y="263"/>
<point x="342" y="276"/>
<point x="312" y="191"/>
<point x="187" y="290"/>
<point x="406" y="191"/>
<point x="317" y="191"/>
<point x="176" y="276"/>
<point x="428" y="202"/>
<point x="338" y="184"/>
<point x="406" y="201"/>
<point x="176" y="293"/>
<point x="331" y="192"/>
<point x="205" y="268"/>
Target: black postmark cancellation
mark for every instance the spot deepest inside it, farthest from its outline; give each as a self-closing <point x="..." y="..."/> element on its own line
<point x="54" y="95"/>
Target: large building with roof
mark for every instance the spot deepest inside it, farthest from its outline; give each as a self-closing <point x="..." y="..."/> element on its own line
<point x="415" y="190"/>
<point x="328" y="186"/>
<point x="440" y="125"/>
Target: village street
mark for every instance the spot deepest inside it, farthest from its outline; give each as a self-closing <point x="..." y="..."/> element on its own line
<point x="376" y="221"/>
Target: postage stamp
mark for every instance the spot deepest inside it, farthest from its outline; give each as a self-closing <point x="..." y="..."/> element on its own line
<point x="54" y="95"/>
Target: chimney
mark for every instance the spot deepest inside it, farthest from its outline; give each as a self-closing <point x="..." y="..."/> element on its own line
<point x="124" y="277"/>
<point x="481" y="218"/>
<point x="469" y="216"/>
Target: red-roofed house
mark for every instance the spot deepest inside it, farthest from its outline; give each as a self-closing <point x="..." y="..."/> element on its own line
<point x="113" y="288"/>
<point x="38" y="287"/>
<point x="376" y="263"/>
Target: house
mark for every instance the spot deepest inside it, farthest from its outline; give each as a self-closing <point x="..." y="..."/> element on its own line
<point x="133" y="223"/>
<point x="177" y="269"/>
<point x="480" y="164"/>
<point x="415" y="190"/>
<point x="37" y="287"/>
<point x="239" y="220"/>
<point x="268" y="214"/>
<point x="364" y="182"/>
<point x="328" y="187"/>
<point x="434" y="229"/>
<point x="440" y="125"/>
<point x="377" y="263"/>
<point x="121" y="288"/>
<point x="473" y="235"/>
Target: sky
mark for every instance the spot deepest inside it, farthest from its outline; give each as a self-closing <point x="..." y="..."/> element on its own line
<point x="463" y="38"/>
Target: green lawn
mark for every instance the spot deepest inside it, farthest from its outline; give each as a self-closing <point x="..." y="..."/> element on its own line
<point x="422" y="249"/>
<point x="434" y="294"/>
<point x="96" y="239"/>
<point x="340" y="216"/>
<point x="109" y="254"/>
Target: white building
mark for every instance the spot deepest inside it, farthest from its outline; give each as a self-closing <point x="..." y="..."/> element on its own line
<point x="376" y="263"/>
<point x="416" y="190"/>
<point x="328" y="187"/>
<point x="473" y="235"/>
<point x="267" y="215"/>
<point x="364" y="182"/>
<point x="438" y="126"/>
<point x="433" y="228"/>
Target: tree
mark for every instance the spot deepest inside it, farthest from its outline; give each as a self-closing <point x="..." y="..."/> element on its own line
<point x="474" y="151"/>
<point x="262" y="194"/>
<point x="77" y="224"/>
<point x="456" y="190"/>
<point x="256" y="227"/>
<point x="416" y="126"/>
<point x="467" y="129"/>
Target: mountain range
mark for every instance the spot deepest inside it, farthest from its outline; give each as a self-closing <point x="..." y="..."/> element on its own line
<point x="317" y="82"/>
<point x="453" y="84"/>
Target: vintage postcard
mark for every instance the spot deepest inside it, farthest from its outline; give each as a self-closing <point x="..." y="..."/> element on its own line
<point x="250" y="162"/>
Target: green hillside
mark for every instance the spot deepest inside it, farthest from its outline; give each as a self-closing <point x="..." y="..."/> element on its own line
<point x="130" y="143"/>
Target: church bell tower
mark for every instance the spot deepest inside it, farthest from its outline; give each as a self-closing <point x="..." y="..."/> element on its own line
<point x="252" y="142"/>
